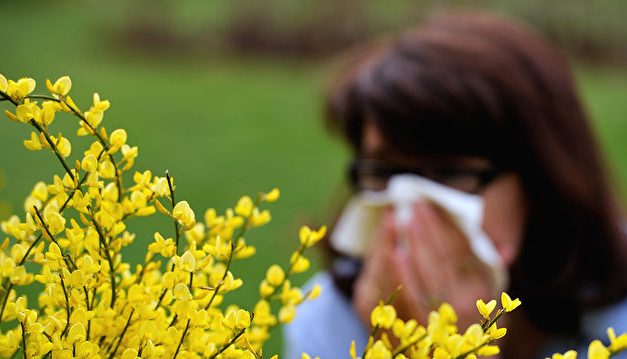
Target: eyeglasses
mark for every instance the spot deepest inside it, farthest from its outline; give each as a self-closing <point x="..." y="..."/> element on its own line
<point x="372" y="174"/>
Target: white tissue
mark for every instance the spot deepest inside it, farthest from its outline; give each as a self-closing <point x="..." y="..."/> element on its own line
<point x="354" y="231"/>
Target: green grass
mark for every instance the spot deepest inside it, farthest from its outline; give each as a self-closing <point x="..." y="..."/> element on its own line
<point x="223" y="126"/>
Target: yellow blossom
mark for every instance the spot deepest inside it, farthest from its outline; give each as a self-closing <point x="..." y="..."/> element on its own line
<point x="287" y="313"/>
<point x="571" y="354"/>
<point x="509" y="304"/>
<point x="275" y="275"/>
<point x="378" y="351"/>
<point x="244" y="206"/>
<point x="61" y="87"/>
<point x="272" y="196"/>
<point x="117" y="139"/>
<point x="4" y="85"/>
<point x="486" y="309"/>
<point x="20" y="89"/>
<point x="383" y="316"/>
<point x="184" y="214"/>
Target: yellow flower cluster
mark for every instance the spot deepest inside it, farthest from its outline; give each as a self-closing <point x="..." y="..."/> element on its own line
<point x="439" y="338"/>
<point x="596" y="349"/>
<point x="93" y="304"/>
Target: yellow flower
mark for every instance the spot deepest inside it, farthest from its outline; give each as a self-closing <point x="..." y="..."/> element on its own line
<point x="33" y="144"/>
<point x="287" y="313"/>
<point x="314" y="292"/>
<point x="181" y="292"/>
<point x="509" y="304"/>
<point x="130" y="353"/>
<point x="309" y="237"/>
<point x="28" y="111"/>
<point x="597" y="350"/>
<point x="299" y="263"/>
<point x="265" y="289"/>
<point x="4" y="85"/>
<point x="496" y="333"/>
<point x="20" y="89"/>
<point x="474" y="335"/>
<point x="275" y="275"/>
<point x="117" y="139"/>
<point x="447" y="313"/>
<point x="272" y="196"/>
<point x="488" y="350"/>
<point x="617" y="343"/>
<point x="353" y="351"/>
<point x="244" y="206"/>
<point x="378" y="351"/>
<point x="61" y="87"/>
<point x="184" y="214"/>
<point x="186" y="262"/>
<point x="383" y="316"/>
<point x="77" y="333"/>
<point x="486" y="309"/>
<point x="571" y="354"/>
<point x="89" y="163"/>
<point x="54" y="220"/>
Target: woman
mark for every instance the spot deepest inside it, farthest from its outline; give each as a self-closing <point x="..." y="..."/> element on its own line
<point x="484" y="105"/>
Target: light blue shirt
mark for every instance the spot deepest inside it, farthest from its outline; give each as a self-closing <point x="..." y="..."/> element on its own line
<point x="326" y="326"/>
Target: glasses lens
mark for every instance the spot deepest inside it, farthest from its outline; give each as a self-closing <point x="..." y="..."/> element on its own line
<point x="368" y="174"/>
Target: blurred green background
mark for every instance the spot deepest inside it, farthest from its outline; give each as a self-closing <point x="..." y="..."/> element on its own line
<point x="228" y="95"/>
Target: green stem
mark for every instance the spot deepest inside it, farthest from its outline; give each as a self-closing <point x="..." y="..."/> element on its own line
<point x="173" y="201"/>
<point x="234" y="241"/>
<point x="103" y="243"/>
<point x="23" y="341"/>
<point x="54" y="148"/>
<point x="491" y="322"/>
<point x="231" y="342"/>
<point x="117" y="345"/>
<point x="103" y="143"/>
<point x="408" y="345"/>
<point x="67" y="307"/>
<point x="66" y="257"/>
<point x="178" y="347"/>
<point x="8" y="98"/>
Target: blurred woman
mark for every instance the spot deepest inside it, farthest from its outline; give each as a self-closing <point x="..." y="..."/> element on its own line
<point x="483" y="105"/>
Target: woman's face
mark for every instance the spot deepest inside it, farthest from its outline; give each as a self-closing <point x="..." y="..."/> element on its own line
<point x="505" y="212"/>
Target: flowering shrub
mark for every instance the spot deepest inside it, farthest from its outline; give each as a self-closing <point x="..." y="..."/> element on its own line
<point x="95" y="305"/>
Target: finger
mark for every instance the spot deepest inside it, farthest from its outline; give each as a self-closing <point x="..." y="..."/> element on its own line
<point x="425" y="261"/>
<point x="458" y="264"/>
<point x="385" y="236"/>
<point x="450" y="243"/>
<point x="409" y="302"/>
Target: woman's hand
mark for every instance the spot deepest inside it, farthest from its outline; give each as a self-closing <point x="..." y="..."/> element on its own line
<point x="432" y="262"/>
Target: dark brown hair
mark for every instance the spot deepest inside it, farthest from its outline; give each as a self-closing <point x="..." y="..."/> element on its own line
<point x="478" y="84"/>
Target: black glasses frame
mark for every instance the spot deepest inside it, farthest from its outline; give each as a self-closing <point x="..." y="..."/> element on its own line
<point x="383" y="170"/>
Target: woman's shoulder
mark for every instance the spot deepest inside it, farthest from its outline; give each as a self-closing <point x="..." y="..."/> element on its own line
<point x="596" y="322"/>
<point x="325" y="326"/>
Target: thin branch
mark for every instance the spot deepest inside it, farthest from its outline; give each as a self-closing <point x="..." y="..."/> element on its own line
<point x="173" y="201"/>
<point x="182" y="338"/>
<point x="23" y="341"/>
<point x="103" y="243"/>
<point x="231" y="342"/>
<point x="67" y="307"/>
<point x="8" y="98"/>
<point x="128" y="322"/>
<point x="54" y="148"/>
